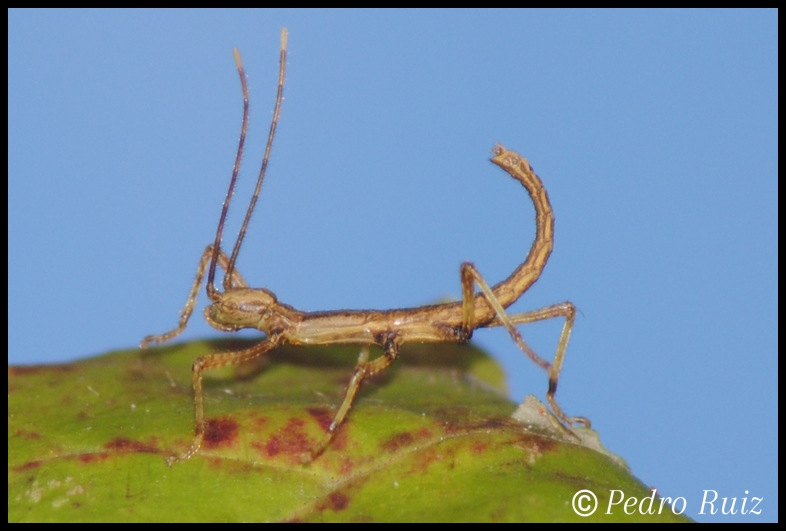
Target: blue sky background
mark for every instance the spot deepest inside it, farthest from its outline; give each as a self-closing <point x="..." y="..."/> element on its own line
<point x="655" y="133"/>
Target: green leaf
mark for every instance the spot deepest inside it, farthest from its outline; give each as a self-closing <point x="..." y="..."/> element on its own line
<point x="430" y="439"/>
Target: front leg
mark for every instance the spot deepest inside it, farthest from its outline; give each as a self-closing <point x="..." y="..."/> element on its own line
<point x="214" y="361"/>
<point x="185" y="314"/>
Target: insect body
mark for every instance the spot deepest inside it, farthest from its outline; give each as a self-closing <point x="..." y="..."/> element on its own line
<point x="239" y="306"/>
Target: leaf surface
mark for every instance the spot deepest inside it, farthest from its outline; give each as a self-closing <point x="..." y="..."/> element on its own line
<point x="430" y="439"/>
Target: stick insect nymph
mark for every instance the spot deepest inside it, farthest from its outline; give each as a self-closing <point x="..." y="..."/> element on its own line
<point x="240" y="306"/>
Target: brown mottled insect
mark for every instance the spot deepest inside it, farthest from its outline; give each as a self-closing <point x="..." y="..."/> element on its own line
<point x="242" y="307"/>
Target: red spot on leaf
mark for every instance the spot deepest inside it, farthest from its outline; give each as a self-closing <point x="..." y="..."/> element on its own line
<point x="121" y="444"/>
<point x="346" y="468"/>
<point x="340" y="440"/>
<point x="291" y="439"/>
<point x="89" y="458"/>
<point x="534" y="443"/>
<point x="27" y="466"/>
<point x="478" y="447"/>
<point x="423" y="460"/>
<point x="220" y="431"/>
<point x="404" y="439"/>
<point x="398" y="441"/>
<point x="322" y="415"/>
<point x="424" y="433"/>
<point x="338" y="501"/>
<point x="27" y="434"/>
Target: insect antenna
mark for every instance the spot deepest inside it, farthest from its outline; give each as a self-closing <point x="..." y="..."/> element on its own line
<point x="273" y="124"/>
<point x="211" y="288"/>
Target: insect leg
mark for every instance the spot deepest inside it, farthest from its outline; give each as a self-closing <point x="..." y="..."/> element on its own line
<point x="363" y="369"/>
<point x="469" y="276"/>
<point x="214" y="361"/>
<point x="185" y="314"/>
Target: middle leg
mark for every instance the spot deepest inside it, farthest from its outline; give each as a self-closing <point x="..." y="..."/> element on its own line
<point x="363" y="369"/>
